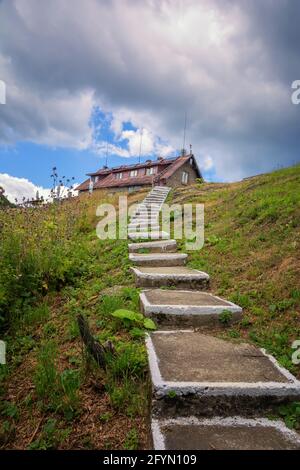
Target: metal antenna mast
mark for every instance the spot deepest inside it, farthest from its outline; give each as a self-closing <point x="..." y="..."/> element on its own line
<point x="141" y="140"/>
<point x="184" y="133"/>
<point x="106" y="153"/>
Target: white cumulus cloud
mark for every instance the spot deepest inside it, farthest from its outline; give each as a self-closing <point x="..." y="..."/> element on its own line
<point x="19" y="188"/>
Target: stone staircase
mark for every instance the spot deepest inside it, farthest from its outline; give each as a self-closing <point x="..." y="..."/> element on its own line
<point x="207" y="393"/>
<point x="144" y="221"/>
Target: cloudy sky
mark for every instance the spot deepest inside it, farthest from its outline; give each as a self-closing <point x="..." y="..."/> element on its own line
<point x="81" y="73"/>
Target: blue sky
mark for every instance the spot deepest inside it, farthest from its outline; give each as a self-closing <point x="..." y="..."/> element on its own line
<point x="35" y="161"/>
<point x="83" y="73"/>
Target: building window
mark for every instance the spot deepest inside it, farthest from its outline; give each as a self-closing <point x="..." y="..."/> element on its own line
<point x="150" y="171"/>
<point x="185" y="177"/>
<point x="133" y="173"/>
<point x="119" y="176"/>
<point x="96" y="178"/>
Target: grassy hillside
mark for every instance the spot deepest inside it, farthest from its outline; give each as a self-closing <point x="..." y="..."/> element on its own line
<point x="53" y="267"/>
<point x="252" y="253"/>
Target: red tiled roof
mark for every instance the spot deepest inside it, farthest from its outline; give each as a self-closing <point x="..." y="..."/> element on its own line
<point x="83" y="186"/>
<point x="111" y="181"/>
<point x="134" y="166"/>
<point x="170" y="170"/>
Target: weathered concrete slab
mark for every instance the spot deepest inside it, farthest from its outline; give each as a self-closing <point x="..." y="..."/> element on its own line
<point x="234" y="433"/>
<point x="145" y="215"/>
<point x="177" y="276"/>
<point x="209" y="376"/>
<point x="148" y="235"/>
<point x="158" y="259"/>
<point x="155" y="197"/>
<point x="160" y="246"/>
<point x="144" y="220"/>
<point x="143" y="223"/>
<point x="156" y="201"/>
<point x="143" y="228"/>
<point x="186" y="308"/>
<point x="144" y="209"/>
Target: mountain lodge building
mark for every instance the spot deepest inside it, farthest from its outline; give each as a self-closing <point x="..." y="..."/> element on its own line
<point x="173" y="172"/>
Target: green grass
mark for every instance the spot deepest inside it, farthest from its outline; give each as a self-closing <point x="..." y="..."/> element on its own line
<point x="251" y="252"/>
<point x="81" y="275"/>
<point x="53" y="267"/>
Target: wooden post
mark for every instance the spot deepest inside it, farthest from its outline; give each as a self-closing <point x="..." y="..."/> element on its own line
<point x="94" y="347"/>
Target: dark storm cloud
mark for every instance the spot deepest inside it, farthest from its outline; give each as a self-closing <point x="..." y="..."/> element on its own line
<point x="230" y="64"/>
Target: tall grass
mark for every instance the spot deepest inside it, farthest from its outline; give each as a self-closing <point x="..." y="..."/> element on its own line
<point x="41" y="250"/>
<point x="44" y="248"/>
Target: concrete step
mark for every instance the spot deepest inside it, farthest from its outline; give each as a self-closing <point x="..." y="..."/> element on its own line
<point x="138" y="229"/>
<point x="236" y="433"/>
<point x="144" y="230"/>
<point x="154" y="247"/>
<point x="153" y="203"/>
<point x="155" y="199"/>
<point x="158" y="259"/>
<point x="198" y="375"/>
<point x="176" y="276"/>
<point x="148" y="235"/>
<point x="142" y="227"/>
<point x="144" y="220"/>
<point x="148" y="208"/>
<point x="159" y="193"/>
<point x="152" y="207"/>
<point x="144" y="217"/>
<point x="183" y="308"/>
<point x="147" y="213"/>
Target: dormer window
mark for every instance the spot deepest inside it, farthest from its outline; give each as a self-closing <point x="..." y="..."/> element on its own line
<point x="119" y="176"/>
<point x="133" y="173"/>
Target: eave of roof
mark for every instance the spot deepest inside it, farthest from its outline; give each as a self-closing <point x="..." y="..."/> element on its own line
<point x="111" y="181"/>
<point x="83" y="186"/>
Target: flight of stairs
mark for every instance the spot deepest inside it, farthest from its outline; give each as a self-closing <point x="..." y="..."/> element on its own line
<point x="144" y="223"/>
<point x="207" y="393"/>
